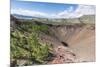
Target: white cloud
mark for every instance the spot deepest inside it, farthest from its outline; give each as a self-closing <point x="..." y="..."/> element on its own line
<point x="69" y="10"/>
<point x="28" y="12"/>
<point x="68" y="13"/>
<point x="86" y="10"/>
<point x="80" y="11"/>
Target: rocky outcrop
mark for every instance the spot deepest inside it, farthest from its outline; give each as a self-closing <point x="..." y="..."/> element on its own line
<point x="63" y="55"/>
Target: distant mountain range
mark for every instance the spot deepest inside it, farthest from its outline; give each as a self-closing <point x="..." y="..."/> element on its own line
<point x="82" y="19"/>
<point x="23" y="16"/>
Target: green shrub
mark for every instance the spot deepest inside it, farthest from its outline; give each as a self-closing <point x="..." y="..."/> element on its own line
<point x="24" y="44"/>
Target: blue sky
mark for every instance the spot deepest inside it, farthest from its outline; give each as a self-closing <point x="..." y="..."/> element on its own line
<point x="49" y="10"/>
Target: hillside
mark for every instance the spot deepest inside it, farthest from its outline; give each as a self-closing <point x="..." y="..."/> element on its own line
<point x="73" y="40"/>
<point x="58" y="21"/>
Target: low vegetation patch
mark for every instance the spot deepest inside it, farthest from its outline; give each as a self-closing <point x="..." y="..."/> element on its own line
<point x="25" y="44"/>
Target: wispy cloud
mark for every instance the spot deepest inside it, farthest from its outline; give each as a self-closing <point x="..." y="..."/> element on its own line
<point x="80" y="11"/>
<point x="26" y="12"/>
<point x="67" y="13"/>
<point x="85" y="9"/>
